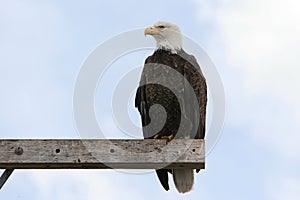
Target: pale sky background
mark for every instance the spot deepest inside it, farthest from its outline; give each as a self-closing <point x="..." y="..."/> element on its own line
<point x="255" y="46"/>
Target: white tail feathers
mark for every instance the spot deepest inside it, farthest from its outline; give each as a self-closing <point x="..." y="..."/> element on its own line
<point x="183" y="179"/>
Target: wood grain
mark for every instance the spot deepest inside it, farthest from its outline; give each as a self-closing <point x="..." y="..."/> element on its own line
<point x="101" y="154"/>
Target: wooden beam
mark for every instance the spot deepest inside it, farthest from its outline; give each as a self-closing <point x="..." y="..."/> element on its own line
<point x="101" y="154"/>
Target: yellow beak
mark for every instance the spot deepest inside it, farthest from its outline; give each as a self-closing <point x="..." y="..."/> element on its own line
<point x="151" y="31"/>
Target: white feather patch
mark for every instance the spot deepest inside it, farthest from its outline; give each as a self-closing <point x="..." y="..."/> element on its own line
<point x="183" y="179"/>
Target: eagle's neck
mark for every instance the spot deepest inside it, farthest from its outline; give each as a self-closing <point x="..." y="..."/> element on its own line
<point x="174" y="45"/>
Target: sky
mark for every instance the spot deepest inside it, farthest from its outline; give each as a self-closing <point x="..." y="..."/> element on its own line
<point x="253" y="44"/>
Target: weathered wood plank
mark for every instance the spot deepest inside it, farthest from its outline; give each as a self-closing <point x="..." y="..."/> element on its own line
<point x="101" y="154"/>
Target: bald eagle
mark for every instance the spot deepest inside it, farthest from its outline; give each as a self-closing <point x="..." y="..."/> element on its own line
<point x="167" y="58"/>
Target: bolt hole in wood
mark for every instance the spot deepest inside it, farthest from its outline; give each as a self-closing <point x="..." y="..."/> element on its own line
<point x="19" y="151"/>
<point x="57" y="150"/>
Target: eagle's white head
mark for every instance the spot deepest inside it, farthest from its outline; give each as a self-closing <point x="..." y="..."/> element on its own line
<point x="167" y="36"/>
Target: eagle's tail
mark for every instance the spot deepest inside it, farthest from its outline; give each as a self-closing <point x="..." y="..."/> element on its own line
<point x="183" y="179"/>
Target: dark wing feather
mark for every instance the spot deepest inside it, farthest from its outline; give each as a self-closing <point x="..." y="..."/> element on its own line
<point x="150" y="92"/>
<point x="193" y="74"/>
<point x="162" y="175"/>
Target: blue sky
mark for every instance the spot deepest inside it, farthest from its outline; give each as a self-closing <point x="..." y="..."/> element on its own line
<point x="254" y="45"/>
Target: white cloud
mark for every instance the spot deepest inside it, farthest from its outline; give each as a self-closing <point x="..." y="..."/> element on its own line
<point x="278" y="188"/>
<point x="261" y="40"/>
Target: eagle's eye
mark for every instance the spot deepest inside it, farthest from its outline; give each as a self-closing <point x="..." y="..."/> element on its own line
<point x="161" y="27"/>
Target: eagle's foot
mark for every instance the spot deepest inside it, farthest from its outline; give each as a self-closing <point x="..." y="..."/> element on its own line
<point x="168" y="137"/>
<point x="156" y="136"/>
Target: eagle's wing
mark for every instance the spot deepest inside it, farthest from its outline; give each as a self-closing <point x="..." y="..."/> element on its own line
<point x="195" y="78"/>
<point x="142" y="105"/>
<point x="141" y="99"/>
<point x="192" y="73"/>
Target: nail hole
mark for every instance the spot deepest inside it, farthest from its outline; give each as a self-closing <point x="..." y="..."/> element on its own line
<point x="57" y="150"/>
<point x="19" y="151"/>
<point x="112" y="150"/>
<point x="194" y="150"/>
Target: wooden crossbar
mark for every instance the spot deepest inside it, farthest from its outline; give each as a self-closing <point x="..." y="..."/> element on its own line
<point x="101" y="154"/>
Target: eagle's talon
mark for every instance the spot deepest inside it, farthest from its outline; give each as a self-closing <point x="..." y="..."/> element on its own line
<point x="168" y="137"/>
<point x="156" y="136"/>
